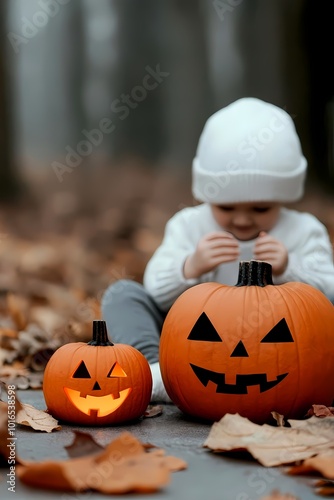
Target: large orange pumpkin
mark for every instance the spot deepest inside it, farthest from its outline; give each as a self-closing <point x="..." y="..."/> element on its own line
<point x="98" y="383"/>
<point x="250" y="349"/>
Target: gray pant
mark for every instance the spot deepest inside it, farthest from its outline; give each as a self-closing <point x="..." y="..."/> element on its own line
<point x="133" y="318"/>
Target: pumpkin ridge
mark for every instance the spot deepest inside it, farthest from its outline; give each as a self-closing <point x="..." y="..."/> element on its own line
<point x="292" y="298"/>
<point x="287" y="305"/>
<point x="210" y="296"/>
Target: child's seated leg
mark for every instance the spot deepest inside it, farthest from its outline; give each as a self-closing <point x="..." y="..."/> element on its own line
<point x="158" y="390"/>
<point x="133" y="318"/>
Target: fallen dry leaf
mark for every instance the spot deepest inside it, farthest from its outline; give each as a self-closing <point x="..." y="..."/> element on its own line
<point x="276" y="495"/>
<point x="279" y="418"/>
<point x="8" y="456"/>
<point x="153" y="411"/>
<point x="321" y="411"/>
<point x="18" y="309"/>
<point x="26" y="414"/>
<point x="6" y="334"/>
<point x="83" y="444"/>
<point x="12" y="371"/>
<point x="22" y="378"/>
<point x="270" y="445"/>
<point x="324" y="488"/>
<point x="47" y="318"/>
<point x="322" y="463"/>
<point x="326" y="491"/>
<point x="36" y="419"/>
<point x="318" y="426"/>
<point x="123" y="466"/>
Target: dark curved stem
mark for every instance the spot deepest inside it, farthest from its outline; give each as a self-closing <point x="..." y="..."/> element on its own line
<point x="100" y="334"/>
<point x="255" y="273"/>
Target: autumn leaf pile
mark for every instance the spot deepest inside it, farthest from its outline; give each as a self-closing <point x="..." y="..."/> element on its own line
<point x="59" y="251"/>
<point x="308" y="444"/>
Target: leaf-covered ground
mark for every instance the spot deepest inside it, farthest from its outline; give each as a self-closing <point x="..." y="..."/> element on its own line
<point x="62" y="244"/>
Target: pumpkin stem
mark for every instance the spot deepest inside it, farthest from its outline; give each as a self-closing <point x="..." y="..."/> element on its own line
<point x="100" y="334"/>
<point x="255" y="273"/>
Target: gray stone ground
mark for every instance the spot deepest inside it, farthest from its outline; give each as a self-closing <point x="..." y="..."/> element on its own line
<point x="208" y="477"/>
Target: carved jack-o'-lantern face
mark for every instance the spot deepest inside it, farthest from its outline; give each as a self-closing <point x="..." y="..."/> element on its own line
<point x="204" y="331"/>
<point x="250" y="349"/>
<point x="98" y="383"/>
<point x="103" y="405"/>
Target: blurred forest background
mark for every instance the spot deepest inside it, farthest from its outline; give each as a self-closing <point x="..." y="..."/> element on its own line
<point x="102" y="103"/>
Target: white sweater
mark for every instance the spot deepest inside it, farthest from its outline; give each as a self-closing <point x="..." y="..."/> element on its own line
<point x="304" y="236"/>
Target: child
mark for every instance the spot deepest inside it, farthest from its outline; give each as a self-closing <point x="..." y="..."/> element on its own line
<point x="248" y="163"/>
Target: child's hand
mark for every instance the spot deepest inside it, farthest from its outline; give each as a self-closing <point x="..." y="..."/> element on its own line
<point x="270" y="250"/>
<point x="212" y="250"/>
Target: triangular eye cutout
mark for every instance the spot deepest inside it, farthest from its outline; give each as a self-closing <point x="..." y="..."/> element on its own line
<point x="81" y="371"/>
<point x="280" y="333"/>
<point x="116" y="371"/>
<point x="203" y="329"/>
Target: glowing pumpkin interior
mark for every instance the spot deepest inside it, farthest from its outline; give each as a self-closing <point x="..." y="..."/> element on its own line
<point x="102" y="405"/>
<point x="98" y="383"/>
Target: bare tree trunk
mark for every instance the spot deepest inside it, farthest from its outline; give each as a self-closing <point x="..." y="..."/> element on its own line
<point x="166" y="40"/>
<point x="259" y="40"/>
<point x="136" y="107"/>
<point x="317" y="35"/>
<point x="287" y="48"/>
<point x="64" y="81"/>
<point x="270" y="43"/>
<point x="189" y="97"/>
<point x="9" y="185"/>
<point x="294" y="72"/>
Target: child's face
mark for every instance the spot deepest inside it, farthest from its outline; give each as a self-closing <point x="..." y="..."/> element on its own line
<point x="246" y="220"/>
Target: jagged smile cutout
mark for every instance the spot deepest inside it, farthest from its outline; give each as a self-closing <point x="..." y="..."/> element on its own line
<point x="103" y="405"/>
<point x="242" y="381"/>
<point x="204" y="331"/>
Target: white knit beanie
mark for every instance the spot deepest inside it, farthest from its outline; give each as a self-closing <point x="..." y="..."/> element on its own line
<point x="249" y="151"/>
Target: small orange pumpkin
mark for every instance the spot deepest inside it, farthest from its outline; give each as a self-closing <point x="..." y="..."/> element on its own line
<point x="98" y="383"/>
<point x="250" y="349"/>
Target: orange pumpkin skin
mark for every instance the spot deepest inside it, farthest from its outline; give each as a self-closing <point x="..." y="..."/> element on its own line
<point x="255" y="349"/>
<point x="97" y="384"/>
